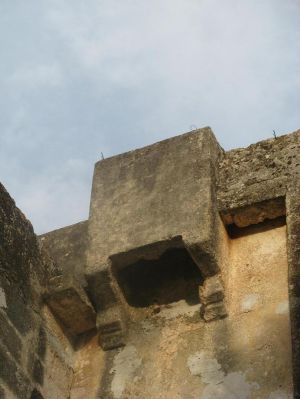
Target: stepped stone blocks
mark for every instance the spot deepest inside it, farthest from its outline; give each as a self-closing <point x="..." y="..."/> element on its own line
<point x="211" y="296"/>
<point x="183" y="282"/>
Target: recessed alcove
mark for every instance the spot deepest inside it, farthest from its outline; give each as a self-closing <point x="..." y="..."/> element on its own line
<point x="257" y="300"/>
<point x="172" y="277"/>
<point x="235" y="231"/>
<point x="255" y="213"/>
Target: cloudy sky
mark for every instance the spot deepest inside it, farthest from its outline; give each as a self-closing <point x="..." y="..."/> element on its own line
<point x="80" y="77"/>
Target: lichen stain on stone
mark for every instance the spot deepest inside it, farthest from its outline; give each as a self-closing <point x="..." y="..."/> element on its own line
<point x="205" y="366"/>
<point x="282" y="308"/>
<point x="2" y="298"/>
<point x="233" y="386"/>
<point x="219" y="386"/>
<point x="126" y="363"/>
<point x="249" y="302"/>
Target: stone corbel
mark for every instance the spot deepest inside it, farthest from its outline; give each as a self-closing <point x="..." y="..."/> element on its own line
<point x="111" y="327"/>
<point x="70" y="304"/>
<point x="106" y="296"/>
<point x="211" y="294"/>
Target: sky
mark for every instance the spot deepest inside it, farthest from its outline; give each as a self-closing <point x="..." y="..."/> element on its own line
<point x="79" y="78"/>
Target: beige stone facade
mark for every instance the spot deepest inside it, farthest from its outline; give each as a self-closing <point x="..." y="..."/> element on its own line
<point x="184" y="282"/>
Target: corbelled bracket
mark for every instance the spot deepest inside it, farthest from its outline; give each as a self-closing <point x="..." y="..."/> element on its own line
<point x="212" y="299"/>
<point x="70" y="304"/>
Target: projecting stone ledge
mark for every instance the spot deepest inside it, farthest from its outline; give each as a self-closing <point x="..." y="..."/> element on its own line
<point x="67" y="247"/>
<point x="146" y="202"/>
<point x="70" y="304"/>
<point x="112" y="328"/>
<point x="153" y="194"/>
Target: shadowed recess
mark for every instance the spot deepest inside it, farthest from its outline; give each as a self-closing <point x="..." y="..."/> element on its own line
<point x="235" y="231"/>
<point x="172" y="277"/>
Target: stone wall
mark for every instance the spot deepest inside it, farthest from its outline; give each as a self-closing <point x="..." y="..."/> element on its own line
<point x="68" y="249"/>
<point x="183" y="283"/>
<point x="30" y="350"/>
<point x="262" y="171"/>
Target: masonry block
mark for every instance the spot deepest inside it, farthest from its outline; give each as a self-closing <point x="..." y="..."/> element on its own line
<point x="214" y="311"/>
<point x="9" y="337"/>
<point x="112" y="328"/>
<point x="149" y="199"/>
<point x="211" y="295"/>
<point x="67" y="247"/>
<point x="70" y="304"/>
<point x="13" y="375"/>
<point x="153" y="194"/>
<point x="212" y="290"/>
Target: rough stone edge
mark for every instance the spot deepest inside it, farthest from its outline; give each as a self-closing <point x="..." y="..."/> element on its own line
<point x="293" y="252"/>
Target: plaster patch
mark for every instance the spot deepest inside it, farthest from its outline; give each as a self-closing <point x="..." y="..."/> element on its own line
<point x="282" y="308"/>
<point x="233" y="386"/>
<point x="205" y="366"/>
<point x="249" y="301"/>
<point x="2" y="298"/>
<point x="280" y="394"/>
<point x="126" y="363"/>
<point x="180" y="308"/>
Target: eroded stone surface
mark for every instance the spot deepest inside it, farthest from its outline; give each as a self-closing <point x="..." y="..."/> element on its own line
<point x="25" y="344"/>
<point x="88" y="365"/>
<point x="259" y="172"/>
<point x="71" y="305"/>
<point x="234" y="385"/>
<point x="153" y="194"/>
<point x="126" y="364"/>
<point x="249" y="302"/>
<point x="112" y="328"/>
<point x="206" y="366"/>
<point x="2" y="298"/>
<point x="212" y="290"/>
<point x="144" y="203"/>
<point x="67" y="247"/>
<point x="214" y="311"/>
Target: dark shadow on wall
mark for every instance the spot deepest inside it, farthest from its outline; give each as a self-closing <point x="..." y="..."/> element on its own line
<point x="36" y="395"/>
<point x="172" y="277"/>
<point x="235" y="231"/>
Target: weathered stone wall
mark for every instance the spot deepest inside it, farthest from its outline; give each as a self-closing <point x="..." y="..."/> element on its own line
<point x="68" y="249"/>
<point x="258" y="306"/>
<point x="293" y="250"/>
<point x="253" y="181"/>
<point x="30" y="351"/>
<point x="262" y="182"/>
<point x="171" y="352"/>
<point x="183" y="283"/>
<point x="262" y="171"/>
<point x="150" y="195"/>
